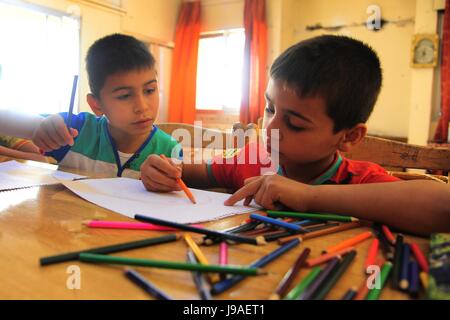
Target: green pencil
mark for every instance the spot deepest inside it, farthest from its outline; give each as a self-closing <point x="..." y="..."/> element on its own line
<point x="385" y="271"/>
<point x="313" y="216"/>
<point x="298" y="290"/>
<point x="99" y="258"/>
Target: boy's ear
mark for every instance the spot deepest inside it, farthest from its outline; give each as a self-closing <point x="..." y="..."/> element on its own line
<point x="352" y="137"/>
<point x="95" y="105"/>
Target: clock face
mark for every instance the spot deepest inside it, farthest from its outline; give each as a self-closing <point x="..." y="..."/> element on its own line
<point x="424" y="52"/>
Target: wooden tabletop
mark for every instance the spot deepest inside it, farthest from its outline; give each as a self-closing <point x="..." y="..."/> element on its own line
<point x="47" y="220"/>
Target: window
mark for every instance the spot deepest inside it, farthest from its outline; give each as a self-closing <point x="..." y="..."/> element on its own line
<point x="38" y="58"/>
<point x="219" y="71"/>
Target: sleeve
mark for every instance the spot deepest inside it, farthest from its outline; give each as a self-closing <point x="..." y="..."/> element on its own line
<point x="222" y="169"/>
<point x="377" y="175"/>
<point x="77" y="123"/>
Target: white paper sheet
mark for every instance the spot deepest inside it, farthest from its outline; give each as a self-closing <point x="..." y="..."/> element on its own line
<point x="16" y="175"/>
<point x="129" y="197"/>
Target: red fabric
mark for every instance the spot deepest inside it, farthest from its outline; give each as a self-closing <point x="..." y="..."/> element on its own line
<point x="232" y="173"/>
<point x="441" y="134"/>
<point x="184" y="64"/>
<point x="255" y="61"/>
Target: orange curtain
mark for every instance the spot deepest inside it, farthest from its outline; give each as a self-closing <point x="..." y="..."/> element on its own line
<point x="184" y="64"/>
<point x="255" y="61"/>
<point x="441" y="134"/>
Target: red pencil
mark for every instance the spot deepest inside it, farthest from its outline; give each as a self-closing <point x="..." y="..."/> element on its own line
<point x="421" y="260"/>
<point x="182" y="185"/>
<point x="389" y="236"/>
<point x="372" y="253"/>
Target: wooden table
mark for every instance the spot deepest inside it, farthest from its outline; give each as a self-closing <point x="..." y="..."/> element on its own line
<point x="43" y="221"/>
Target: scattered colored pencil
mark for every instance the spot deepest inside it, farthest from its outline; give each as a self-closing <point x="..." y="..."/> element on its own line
<point x="374" y="293"/>
<point x="109" y="249"/>
<point x="72" y="101"/>
<point x="290" y="275"/>
<point x="198" y="279"/>
<point x="335" y="276"/>
<point x="413" y="288"/>
<point x="350" y="294"/>
<point x="309" y="293"/>
<point x="310" y="235"/>
<point x="404" y="277"/>
<point x="384" y="244"/>
<point x="328" y="256"/>
<point x="182" y="184"/>
<point x="212" y="233"/>
<point x="230" y="282"/>
<point x="362" y="291"/>
<point x="200" y="256"/>
<point x="129" y="225"/>
<point x="301" y="287"/>
<point x="99" y="258"/>
<point x="322" y="226"/>
<point x="148" y="287"/>
<point x="349" y="242"/>
<point x="314" y="216"/>
<point x="372" y="253"/>
<point x="388" y="234"/>
<point x="423" y="263"/>
<point x="424" y="279"/>
<point x="279" y="223"/>
<point x="397" y="267"/>
<point x="223" y="254"/>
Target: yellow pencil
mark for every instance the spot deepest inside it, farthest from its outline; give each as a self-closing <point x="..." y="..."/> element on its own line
<point x="182" y="184"/>
<point x="200" y="256"/>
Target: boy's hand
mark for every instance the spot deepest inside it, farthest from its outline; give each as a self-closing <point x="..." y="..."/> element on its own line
<point x="160" y="175"/>
<point x="53" y="134"/>
<point x="271" y="190"/>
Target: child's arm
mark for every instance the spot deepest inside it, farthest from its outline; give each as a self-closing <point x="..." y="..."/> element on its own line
<point x="417" y="206"/>
<point x="160" y="176"/>
<point x="22" y="154"/>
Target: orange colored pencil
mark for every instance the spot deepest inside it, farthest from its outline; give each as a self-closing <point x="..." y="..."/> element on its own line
<point x="324" y="232"/>
<point x="389" y="236"/>
<point x="182" y="184"/>
<point x="328" y="256"/>
<point x="372" y="253"/>
<point x="362" y="292"/>
<point x="349" y="242"/>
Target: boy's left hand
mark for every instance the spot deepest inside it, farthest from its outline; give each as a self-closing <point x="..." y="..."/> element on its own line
<point x="271" y="190"/>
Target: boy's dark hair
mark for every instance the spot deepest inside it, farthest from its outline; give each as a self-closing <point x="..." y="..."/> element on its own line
<point x="112" y="54"/>
<point x="343" y="71"/>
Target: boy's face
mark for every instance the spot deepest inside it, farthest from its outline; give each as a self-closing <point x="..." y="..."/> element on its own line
<point x="305" y="130"/>
<point x="130" y="101"/>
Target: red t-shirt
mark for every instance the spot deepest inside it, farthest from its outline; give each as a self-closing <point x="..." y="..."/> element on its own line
<point x="230" y="170"/>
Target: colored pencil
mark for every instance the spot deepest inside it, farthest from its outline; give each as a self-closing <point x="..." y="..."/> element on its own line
<point x="362" y="291"/>
<point x="335" y="276"/>
<point x="302" y="285"/>
<point x="109" y="249"/>
<point x="349" y="242"/>
<point x="72" y="101"/>
<point x="404" y="282"/>
<point x="309" y="293"/>
<point x="278" y="235"/>
<point x="423" y="263"/>
<point x="182" y="184"/>
<point x="223" y="254"/>
<point x="424" y="279"/>
<point x="230" y="282"/>
<point x="388" y="234"/>
<point x="384" y="244"/>
<point x="350" y="294"/>
<point x="283" y="286"/>
<point x="314" y="216"/>
<point x="200" y="256"/>
<point x="279" y="223"/>
<point x="315" y="234"/>
<point x="99" y="258"/>
<point x="374" y="293"/>
<point x="322" y="226"/>
<point x="198" y="278"/>
<point x="246" y="226"/>
<point x="129" y="225"/>
<point x="212" y="233"/>
<point x="328" y="256"/>
<point x="148" y="287"/>
<point x="397" y="267"/>
<point x="372" y="253"/>
<point x="413" y="288"/>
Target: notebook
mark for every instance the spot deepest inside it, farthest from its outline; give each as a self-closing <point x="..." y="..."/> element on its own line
<point x="439" y="260"/>
<point x="129" y="197"/>
<point x="16" y="175"/>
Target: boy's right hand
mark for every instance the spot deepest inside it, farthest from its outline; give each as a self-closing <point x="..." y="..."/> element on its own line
<point x="160" y="175"/>
<point x="52" y="134"/>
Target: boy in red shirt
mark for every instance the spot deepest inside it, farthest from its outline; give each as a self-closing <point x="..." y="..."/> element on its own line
<point x="320" y="94"/>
